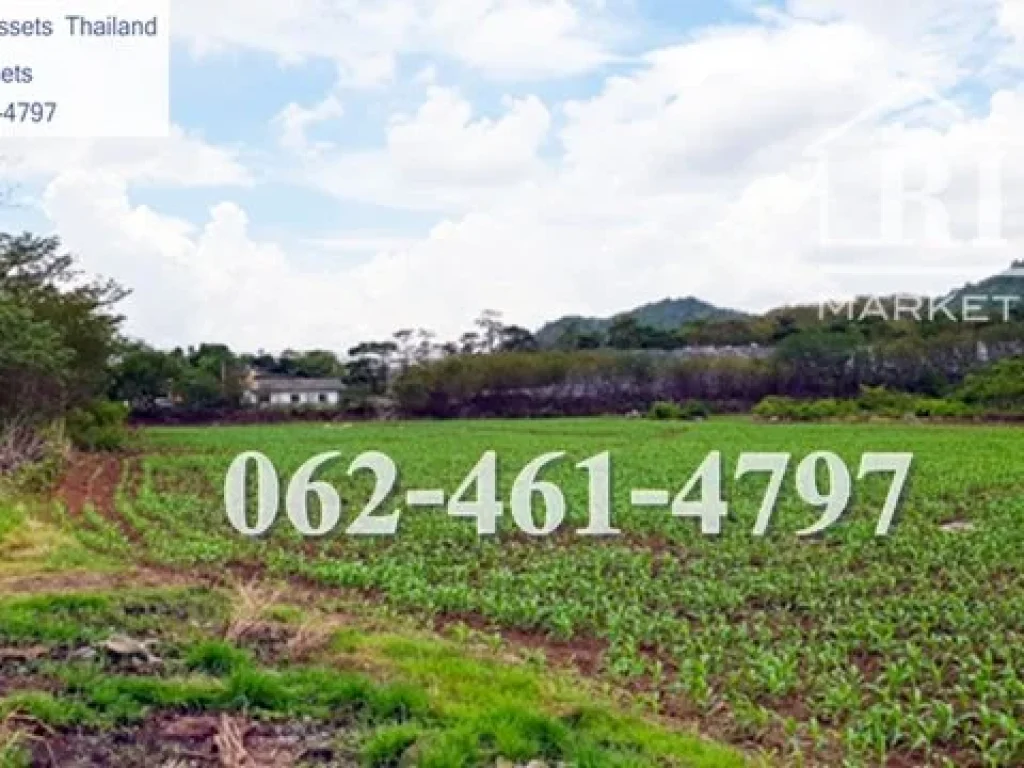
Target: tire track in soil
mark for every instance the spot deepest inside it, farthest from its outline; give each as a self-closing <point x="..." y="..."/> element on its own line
<point x="92" y="479"/>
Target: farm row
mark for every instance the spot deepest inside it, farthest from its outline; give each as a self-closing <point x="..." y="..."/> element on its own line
<point x="846" y="647"/>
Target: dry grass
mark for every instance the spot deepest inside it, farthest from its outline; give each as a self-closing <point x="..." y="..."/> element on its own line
<point x="251" y="602"/>
<point x="17" y="731"/>
<point x="10" y="739"/>
<point x="230" y="742"/>
<point x="20" y="445"/>
<point x="313" y="635"/>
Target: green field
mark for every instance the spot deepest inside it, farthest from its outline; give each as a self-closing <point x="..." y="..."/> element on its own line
<point x="845" y="648"/>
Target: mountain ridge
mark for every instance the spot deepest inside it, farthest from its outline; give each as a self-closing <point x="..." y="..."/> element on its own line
<point x="670" y="314"/>
<point x="666" y="315"/>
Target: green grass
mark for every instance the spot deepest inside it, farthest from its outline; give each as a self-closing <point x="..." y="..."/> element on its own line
<point x="34" y="539"/>
<point x="402" y="714"/>
<point x="88" y="618"/>
<point x="846" y="646"/>
<point x="12" y="518"/>
<point x="500" y="699"/>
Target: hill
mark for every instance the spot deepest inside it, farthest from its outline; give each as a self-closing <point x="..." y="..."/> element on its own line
<point x="1007" y="283"/>
<point x="665" y="315"/>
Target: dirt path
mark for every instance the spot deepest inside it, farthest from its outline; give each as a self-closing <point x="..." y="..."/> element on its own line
<point x="75" y="581"/>
<point x="91" y="479"/>
<point x="94" y="480"/>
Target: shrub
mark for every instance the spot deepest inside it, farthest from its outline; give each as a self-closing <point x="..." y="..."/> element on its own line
<point x="99" y="426"/>
<point x="937" y="408"/>
<point x="665" y="411"/>
<point x="777" y="407"/>
<point x="790" y="409"/>
<point x="999" y="386"/>
<point x="883" y="402"/>
<point x="693" y="410"/>
<point x="386" y="747"/>
<point x="31" y="458"/>
<point x="873" y="402"/>
<point x="218" y="658"/>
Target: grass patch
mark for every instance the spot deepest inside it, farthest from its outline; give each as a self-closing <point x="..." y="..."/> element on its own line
<point x="33" y="541"/>
<point x="90" y="617"/>
<point x="431" y="705"/>
<point x="495" y="706"/>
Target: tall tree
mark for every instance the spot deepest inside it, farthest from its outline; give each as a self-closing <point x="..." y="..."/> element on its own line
<point x="370" y="365"/>
<point x="490" y="325"/>
<point x="33" y="366"/>
<point x="317" y="364"/>
<point x="38" y="277"/>
<point x="405" y="346"/>
<point x="470" y="343"/>
<point x="515" y="338"/>
<point x="424" y="345"/>
<point x="143" y="375"/>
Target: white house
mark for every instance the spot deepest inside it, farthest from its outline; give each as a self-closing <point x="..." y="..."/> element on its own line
<point x="291" y="391"/>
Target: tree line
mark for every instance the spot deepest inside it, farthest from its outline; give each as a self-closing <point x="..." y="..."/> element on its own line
<point x="212" y="375"/>
<point x="59" y="332"/>
<point x="66" y="364"/>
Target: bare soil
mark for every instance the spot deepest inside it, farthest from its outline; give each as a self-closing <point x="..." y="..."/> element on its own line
<point x="178" y="741"/>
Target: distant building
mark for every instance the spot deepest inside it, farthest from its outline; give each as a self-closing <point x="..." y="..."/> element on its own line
<point x="290" y="391"/>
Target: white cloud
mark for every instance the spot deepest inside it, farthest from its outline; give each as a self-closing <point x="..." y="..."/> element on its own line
<point x="443" y="141"/>
<point x="218" y="283"/>
<point x="687" y="175"/>
<point x="936" y="40"/>
<point x="442" y="157"/>
<point x="367" y="38"/>
<point x="181" y="160"/>
<point x="727" y="103"/>
<point x="520" y="38"/>
<point x="1011" y="17"/>
<point x="294" y="121"/>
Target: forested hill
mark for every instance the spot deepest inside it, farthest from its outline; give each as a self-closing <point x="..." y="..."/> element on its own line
<point x="665" y="315"/>
<point x="1008" y="283"/>
<point x="670" y="315"/>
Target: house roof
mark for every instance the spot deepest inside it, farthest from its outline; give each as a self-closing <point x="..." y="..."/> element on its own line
<point x="295" y="384"/>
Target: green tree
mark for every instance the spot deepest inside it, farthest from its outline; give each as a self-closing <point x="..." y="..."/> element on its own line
<point x="317" y="364"/>
<point x="370" y="366"/>
<point x="199" y="388"/>
<point x="516" y="339"/>
<point x="822" y="362"/>
<point x="212" y="363"/>
<point x="38" y="276"/>
<point x="143" y="374"/>
<point x="33" y="366"/>
<point x="490" y="326"/>
<point x="625" y="333"/>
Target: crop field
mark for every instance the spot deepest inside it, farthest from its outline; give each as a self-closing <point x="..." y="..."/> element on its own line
<point x="839" y="649"/>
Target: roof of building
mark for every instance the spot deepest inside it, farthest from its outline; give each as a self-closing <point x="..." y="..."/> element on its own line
<point x="295" y="384"/>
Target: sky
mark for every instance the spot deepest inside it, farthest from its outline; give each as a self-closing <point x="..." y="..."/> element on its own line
<point x="340" y="169"/>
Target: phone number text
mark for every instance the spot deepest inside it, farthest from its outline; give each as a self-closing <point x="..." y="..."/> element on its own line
<point x="477" y="498"/>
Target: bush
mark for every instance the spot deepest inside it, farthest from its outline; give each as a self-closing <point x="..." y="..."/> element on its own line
<point x="875" y="401"/>
<point x="691" y="410"/>
<point x="883" y="402"/>
<point x="387" y="746"/>
<point x="31" y="459"/>
<point x="781" y="408"/>
<point x="790" y="409"/>
<point x="695" y="410"/>
<point x="99" y="426"/>
<point x="665" y="411"/>
<point x="999" y="386"/>
<point x="937" y="408"/>
<point x="218" y="659"/>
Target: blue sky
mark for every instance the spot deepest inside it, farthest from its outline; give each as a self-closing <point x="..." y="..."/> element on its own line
<point x="214" y="95"/>
<point x="338" y="169"/>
